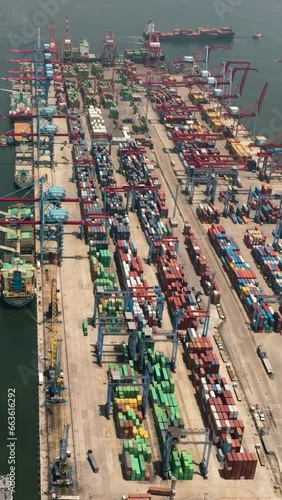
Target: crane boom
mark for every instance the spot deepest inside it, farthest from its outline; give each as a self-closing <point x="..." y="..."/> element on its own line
<point x="64" y="443"/>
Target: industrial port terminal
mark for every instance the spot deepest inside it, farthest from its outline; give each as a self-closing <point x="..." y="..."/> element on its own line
<point x="146" y="224"/>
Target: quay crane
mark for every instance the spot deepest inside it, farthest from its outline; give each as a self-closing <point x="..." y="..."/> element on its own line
<point x="153" y="53"/>
<point x="227" y="64"/>
<point x="67" y="44"/>
<point x="251" y="111"/>
<point x="204" y="56"/>
<point x="270" y="154"/>
<point x="233" y="94"/>
<point x="109" y="50"/>
<point x="62" y="470"/>
<point x="53" y="217"/>
<point x="55" y="385"/>
<point x="41" y="76"/>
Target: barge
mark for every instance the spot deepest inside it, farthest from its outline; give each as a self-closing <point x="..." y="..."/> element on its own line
<point x="186" y="35"/>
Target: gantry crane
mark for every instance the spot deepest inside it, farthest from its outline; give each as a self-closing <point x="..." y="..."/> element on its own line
<point x="62" y="470"/>
<point x="149" y="294"/>
<point x="52" y="37"/>
<point x="204" y="56"/>
<point x="52" y="218"/>
<point x="227" y="64"/>
<point x="137" y="380"/>
<point x="153" y="54"/>
<point x="269" y="156"/>
<point x="109" y="50"/>
<point x="67" y="44"/>
<point x="43" y="73"/>
<point x="251" y="111"/>
<point x="262" y="300"/>
<point x="176" y="436"/>
<point x="129" y="190"/>
<point x="234" y="94"/>
<point x="55" y="386"/>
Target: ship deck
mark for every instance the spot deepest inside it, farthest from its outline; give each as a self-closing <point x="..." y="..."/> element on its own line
<point x="23" y="165"/>
<point x="21" y="129"/>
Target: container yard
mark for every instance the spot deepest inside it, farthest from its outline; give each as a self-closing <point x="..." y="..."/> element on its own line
<point x="155" y="282"/>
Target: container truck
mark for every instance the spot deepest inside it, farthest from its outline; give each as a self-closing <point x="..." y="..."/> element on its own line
<point x="92" y="461"/>
<point x="265" y="361"/>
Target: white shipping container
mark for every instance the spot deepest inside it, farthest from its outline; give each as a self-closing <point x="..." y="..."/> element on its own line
<point x="40" y="378"/>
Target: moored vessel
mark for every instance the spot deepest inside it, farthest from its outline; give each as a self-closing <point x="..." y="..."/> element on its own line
<point x="18" y="282"/>
<point x="184" y="35"/>
<point x="23" y="174"/>
<point x="3" y="141"/>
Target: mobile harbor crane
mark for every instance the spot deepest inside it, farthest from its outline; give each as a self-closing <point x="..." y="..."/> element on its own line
<point x="62" y="470"/>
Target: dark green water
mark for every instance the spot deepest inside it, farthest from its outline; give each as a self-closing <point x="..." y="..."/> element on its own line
<point x="18" y="359"/>
<point x="90" y="19"/>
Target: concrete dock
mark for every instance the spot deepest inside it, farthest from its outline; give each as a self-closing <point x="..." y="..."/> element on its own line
<point x="5" y="493"/>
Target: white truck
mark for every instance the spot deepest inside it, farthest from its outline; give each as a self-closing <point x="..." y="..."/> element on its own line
<point x="265" y="361"/>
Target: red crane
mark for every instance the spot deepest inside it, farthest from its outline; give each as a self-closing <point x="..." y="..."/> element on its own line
<point x="183" y="108"/>
<point x="209" y="136"/>
<point x="251" y="111"/>
<point x="52" y="37"/>
<point x="29" y="135"/>
<point x="153" y="54"/>
<point x="272" y="142"/>
<point x="222" y="161"/>
<point x="126" y="188"/>
<point x="241" y="85"/>
<point x="256" y="105"/>
<point x="82" y="222"/>
<point x="67" y="44"/>
<point x="229" y="63"/>
<point x="204" y="56"/>
<point x="200" y="81"/>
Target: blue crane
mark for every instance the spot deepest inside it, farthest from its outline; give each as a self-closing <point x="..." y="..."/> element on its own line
<point x="62" y="470"/>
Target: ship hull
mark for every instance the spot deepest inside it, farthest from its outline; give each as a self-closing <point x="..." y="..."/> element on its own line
<point x="20" y="302"/>
<point x="191" y="37"/>
<point x="23" y="185"/>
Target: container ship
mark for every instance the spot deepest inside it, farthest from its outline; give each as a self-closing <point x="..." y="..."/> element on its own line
<point x="184" y="35"/>
<point x="23" y="173"/>
<point x="17" y="274"/>
<point x="20" y="239"/>
<point x="20" y="106"/>
<point x="17" y="282"/>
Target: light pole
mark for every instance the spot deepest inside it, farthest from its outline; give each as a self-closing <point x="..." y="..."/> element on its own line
<point x="175" y="200"/>
<point x="147" y="106"/>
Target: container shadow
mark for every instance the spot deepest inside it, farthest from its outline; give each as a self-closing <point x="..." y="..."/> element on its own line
<point x="102" y="411"/>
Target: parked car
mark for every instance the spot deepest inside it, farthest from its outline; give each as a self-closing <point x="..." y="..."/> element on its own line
<point x="261" y="415"/>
